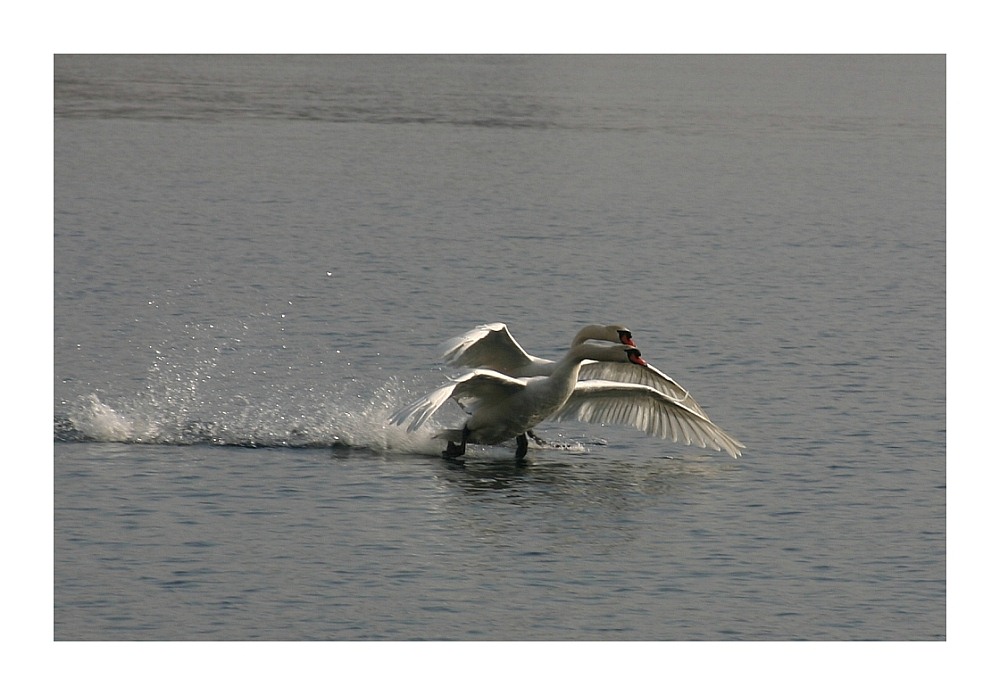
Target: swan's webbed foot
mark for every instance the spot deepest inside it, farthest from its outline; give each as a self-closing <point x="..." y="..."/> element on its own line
<point x="522" y="447"/>
<point x="456" y="450"/>
<point x="538" y="440"/>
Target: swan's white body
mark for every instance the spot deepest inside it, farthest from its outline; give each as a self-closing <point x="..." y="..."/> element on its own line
<point x="491" y="346"/>
<point x="503" y="407"/>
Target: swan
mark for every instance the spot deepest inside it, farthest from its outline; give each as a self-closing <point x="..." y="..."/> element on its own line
<point x="491" y="346"/>
<point x="504" y="407"/>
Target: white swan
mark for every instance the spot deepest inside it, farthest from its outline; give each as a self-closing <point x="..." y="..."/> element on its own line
<point x="491" y="346"/>
<point x="504" y="407"/>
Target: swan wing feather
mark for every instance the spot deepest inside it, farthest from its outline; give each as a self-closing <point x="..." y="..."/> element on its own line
<point x="646" y="409"/>
<point x="485" y="386"/>
<point x="417" y="413"/>
<point x="489" y="346"/>
<point x="630" y="373"/>
<point x="469" y="390"/>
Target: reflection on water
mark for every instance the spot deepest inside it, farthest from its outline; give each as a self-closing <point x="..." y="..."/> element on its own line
<point x="579" y="473"/>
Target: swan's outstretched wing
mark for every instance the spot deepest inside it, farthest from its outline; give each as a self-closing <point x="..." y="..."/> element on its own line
<point x="647" y="409"/>
<point x="630" y="373"/>
<point x="490" y="346"/>
<point x="469" y="390"/>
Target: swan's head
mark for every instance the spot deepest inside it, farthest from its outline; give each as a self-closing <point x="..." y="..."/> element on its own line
<point x="624" y="336"/>
<point x="635" y="357"/>
<point x="613" y="333"/>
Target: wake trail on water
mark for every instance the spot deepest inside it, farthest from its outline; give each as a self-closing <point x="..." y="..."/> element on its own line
<point x="363" y="426"/>
<point x="205" y="386"/>
<point x="348" y="420"/>
<point x="235" y="382"/>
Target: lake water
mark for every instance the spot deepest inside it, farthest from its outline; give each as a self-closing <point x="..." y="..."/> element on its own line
<point x="256" y="257"/>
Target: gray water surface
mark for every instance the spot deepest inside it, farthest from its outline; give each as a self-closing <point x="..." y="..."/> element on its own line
<point x="255" y="258"/>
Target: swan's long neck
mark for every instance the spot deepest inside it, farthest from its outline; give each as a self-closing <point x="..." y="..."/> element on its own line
<point x="547" y="395"/>
<point x="567" y="369"/>
<point x="592" y="332"/>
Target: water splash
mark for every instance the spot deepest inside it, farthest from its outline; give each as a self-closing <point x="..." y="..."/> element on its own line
<point x="233" y="383"/>
<point x="348" y="421"/>
<point x="239" y="381"/>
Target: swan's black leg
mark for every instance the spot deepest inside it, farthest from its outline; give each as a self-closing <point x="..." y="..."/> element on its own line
<point x="522" y="447"/>
<point x="453" y="450"/>
<point x="538" y="440"/>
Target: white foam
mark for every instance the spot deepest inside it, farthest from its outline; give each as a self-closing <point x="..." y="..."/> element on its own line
<point x="98" y="421"/>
